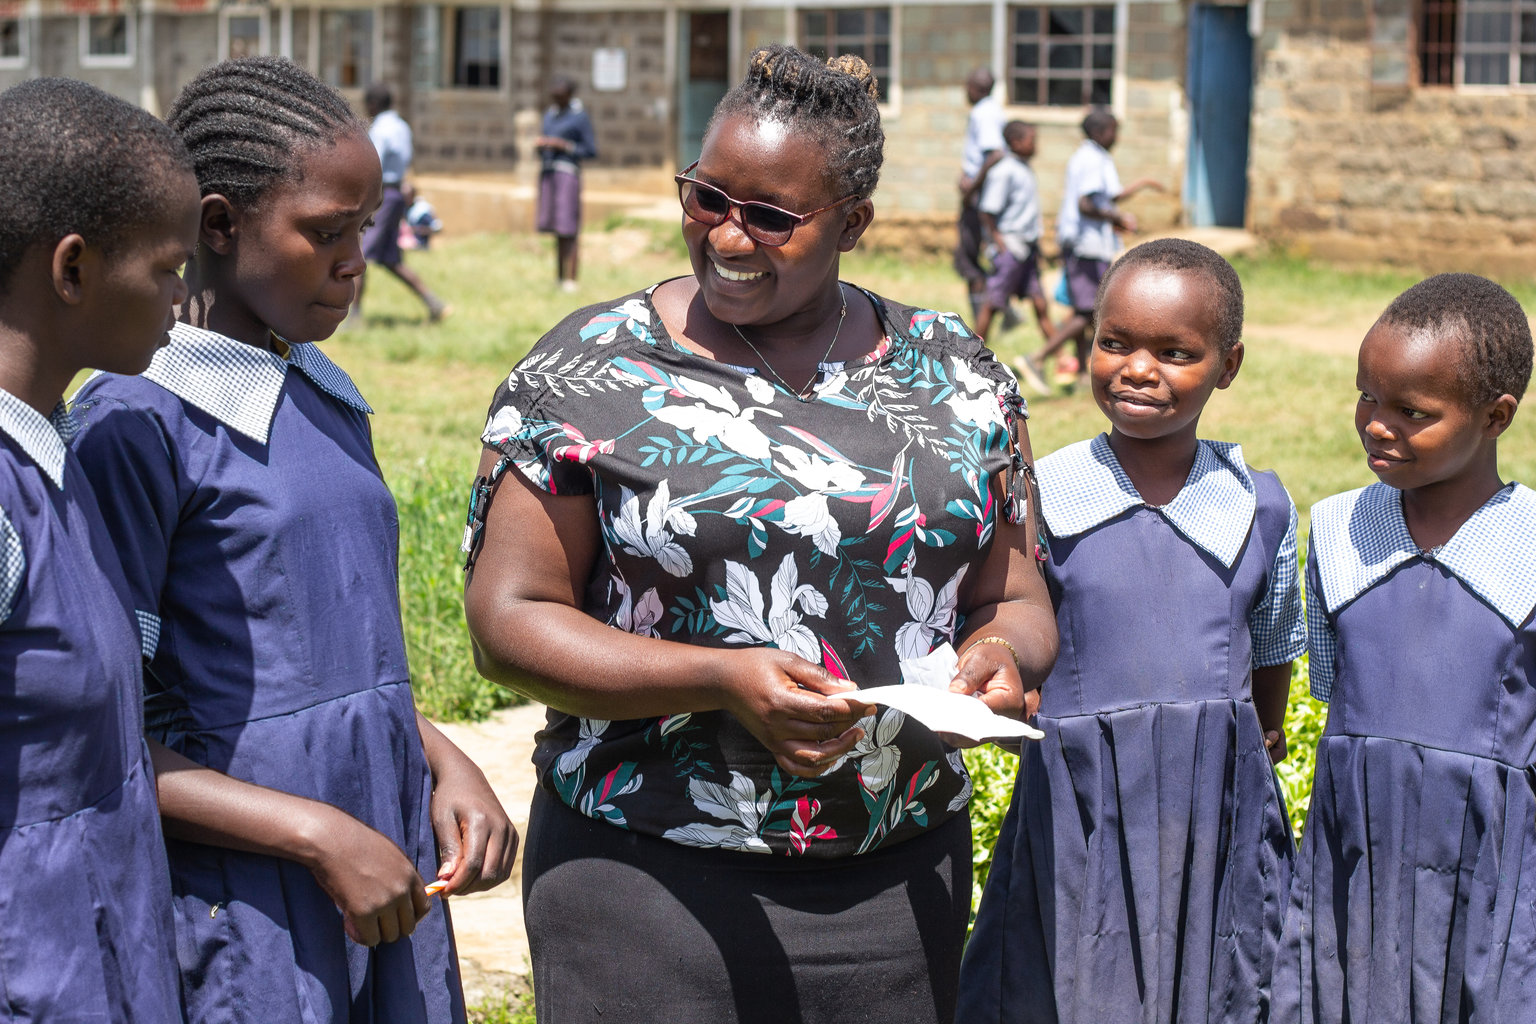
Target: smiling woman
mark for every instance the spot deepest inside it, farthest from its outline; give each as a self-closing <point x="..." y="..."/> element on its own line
<point x="734" y="499"/>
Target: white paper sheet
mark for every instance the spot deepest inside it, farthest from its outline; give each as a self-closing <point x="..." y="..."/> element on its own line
<point x="943" y="711"/>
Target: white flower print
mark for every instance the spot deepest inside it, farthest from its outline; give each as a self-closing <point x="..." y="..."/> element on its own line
<point x="591" y="734"/>
<point x="739" y="802"/>
<point x="932" y="614"/>
<point x="717" y="417"/>
<point x="809" y="516"/>
<point x="504" y="423"/>
<point x="638" y="617"/>
<point x="653" y="537"/>
<point x="978" y="405"/>
<point x="876" y="754"/>
<point x="742" y="610"/>
<point x="957" y="765"/>
<point x="817" y="474"/>
<point x="761" y="391"/>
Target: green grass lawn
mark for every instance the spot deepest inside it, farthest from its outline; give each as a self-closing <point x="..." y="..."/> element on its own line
<point x="1291" y="408"/>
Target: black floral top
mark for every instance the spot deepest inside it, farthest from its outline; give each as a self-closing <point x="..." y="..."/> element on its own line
<point x="733" y="514"/>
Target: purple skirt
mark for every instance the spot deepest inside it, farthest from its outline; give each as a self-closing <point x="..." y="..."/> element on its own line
<point x="381" y="242"/>
<point x="1083" y="277"/>
<point x="560" y="203"/>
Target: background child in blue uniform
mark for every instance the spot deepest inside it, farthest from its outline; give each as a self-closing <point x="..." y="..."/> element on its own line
<point x="1142" y="867"/>
<point x="100" y="212"/>
<point x="1415" y="891"/>
<point x="260" y="545"/>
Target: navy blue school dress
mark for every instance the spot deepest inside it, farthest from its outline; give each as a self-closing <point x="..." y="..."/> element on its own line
<point x="260" y="545"/>
<point x="1415" y="892"/>
<point x="1142" y="867"/>
<point x="84" y="890"/>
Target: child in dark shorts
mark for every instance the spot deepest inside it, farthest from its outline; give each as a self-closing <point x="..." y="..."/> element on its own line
<point x="1010" y="220"/>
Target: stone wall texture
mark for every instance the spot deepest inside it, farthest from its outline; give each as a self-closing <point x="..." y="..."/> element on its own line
<point x="1347" y="170"/>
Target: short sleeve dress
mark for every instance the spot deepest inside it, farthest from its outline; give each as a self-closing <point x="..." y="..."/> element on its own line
<point x="260" y="546"/>
<point x="1415" y="890"/>
<point x="1141" y="871"/>
<point x="83" y="879"/>
<point x="734" y="515"/>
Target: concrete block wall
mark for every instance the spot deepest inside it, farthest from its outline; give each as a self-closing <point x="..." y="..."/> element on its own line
<point x="1428" y="177"/>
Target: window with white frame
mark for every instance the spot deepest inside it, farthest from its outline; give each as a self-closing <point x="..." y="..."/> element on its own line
<point x="1061" y="56"/>
<point x="243" y="33"/>
<point x="863" y="31"/>
<point x="1477" y="42"/>
<point x="13" y="42"/>
<point x="106" y="40"/>
<point x="476" y="57"/>
<point x="346" y="48"/>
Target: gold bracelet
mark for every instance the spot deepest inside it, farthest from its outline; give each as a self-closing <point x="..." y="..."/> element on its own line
<point x="1018" y="664"/>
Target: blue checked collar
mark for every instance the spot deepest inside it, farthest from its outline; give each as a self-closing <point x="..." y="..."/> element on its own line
<point x="45" y="439"/>
<point x="1361" y="537"/>
<point x="1083" y="485"/>
<point x="238" y="384"/>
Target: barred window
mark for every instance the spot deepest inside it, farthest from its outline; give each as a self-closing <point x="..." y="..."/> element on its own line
<point x="864" y="31"/>
<point x="346" y="48"/>
<point x="1477" y="42"/>
<point x="1061" y="56"/>
<point x="10" y="39"/>
<point x="477" y="47"/>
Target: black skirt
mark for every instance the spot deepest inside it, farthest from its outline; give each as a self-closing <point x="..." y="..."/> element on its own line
<point x="627" y="928"/>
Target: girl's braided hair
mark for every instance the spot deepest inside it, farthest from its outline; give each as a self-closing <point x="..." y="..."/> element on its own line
<point x="836" y="104"/>
<point x="244" y="119"/>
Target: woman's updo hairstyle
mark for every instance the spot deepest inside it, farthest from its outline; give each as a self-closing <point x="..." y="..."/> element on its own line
<point x="244" y="120"/>
<point x="835" y="104"/>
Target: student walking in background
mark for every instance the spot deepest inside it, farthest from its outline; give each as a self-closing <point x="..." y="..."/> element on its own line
<point x="566" y="139"/>
<point x="1142" y="868"/>
<point x="1415" y="892"/>
<point x="1087" y="227"/>
<point x="982" y="148"/>
<point x="260" y="544"/>
<point x="391" y="137"/>
<point x="100" y="213"/>
<point x="1010" y="221"/>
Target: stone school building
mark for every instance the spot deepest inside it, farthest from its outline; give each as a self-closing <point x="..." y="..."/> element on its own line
<point x="1353" y="129"/>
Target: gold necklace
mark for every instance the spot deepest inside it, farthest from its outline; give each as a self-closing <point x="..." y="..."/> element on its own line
<point x="801" y="393"/>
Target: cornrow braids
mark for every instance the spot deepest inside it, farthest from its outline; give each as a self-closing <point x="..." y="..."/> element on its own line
<point x="835" y="104"/>
<point x="1184" y="256"/>
<point x="75" y="160"/>
<point x="1485" y="323"/>
<point x="244" y="119"/>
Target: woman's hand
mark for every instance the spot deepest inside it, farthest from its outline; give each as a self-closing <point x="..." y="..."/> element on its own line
<point x="993" y="676"/>
<point x="373" y="883"/>
<point x="476" y="842"/>
<point x="794" y="707"/>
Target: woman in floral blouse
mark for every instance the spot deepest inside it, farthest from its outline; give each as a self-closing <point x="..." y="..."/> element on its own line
<point x="735" y="498"/>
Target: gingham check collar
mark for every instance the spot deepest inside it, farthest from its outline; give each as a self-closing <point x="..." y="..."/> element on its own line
<point x="44" y="438"/>
<point x="1361" y="536"/>
<point x="1083" y="485"/>
<point x="239" y="384"/>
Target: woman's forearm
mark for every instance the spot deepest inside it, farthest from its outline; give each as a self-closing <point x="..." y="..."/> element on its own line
<point x="563" y="657"/>
<point x="1029" y="629"/>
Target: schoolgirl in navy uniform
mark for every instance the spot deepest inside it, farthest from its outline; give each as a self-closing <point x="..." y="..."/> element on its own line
<point x="100" y="213"/>
<point x="260" y="545"/>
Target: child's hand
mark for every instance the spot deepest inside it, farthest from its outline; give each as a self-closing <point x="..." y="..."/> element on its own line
<point x="373" y="883"/>
<point x="1274" y="742"/>
<point x="476" y="842"/>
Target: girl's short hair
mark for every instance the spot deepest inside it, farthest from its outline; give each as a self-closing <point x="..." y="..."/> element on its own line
<point x="244" y="120"/>
<point x="75" y="160"/>
<point x="834" y="103"/>
<point x="1490" y="330"/>
<point x="1180" y="254"/>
